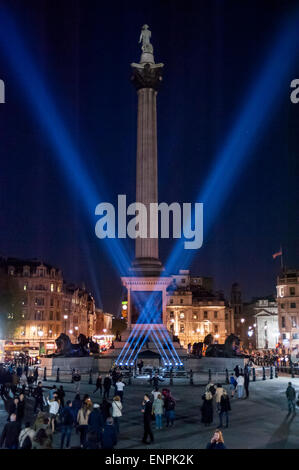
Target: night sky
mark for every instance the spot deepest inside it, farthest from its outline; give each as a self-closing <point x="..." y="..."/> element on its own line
<point x="213" y="51"/>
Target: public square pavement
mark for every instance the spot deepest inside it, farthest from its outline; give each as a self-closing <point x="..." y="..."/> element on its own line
<point x="259" y="422"/>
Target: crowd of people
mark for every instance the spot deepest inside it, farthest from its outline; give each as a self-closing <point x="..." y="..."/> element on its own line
<point x="36" y="413"/>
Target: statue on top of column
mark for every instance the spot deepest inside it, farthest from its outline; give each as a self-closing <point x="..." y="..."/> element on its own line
<point x="145" y="39"/>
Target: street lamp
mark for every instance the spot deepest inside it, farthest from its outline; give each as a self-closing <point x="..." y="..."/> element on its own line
<point x="65" y="319"/>
<point x="40" y="334"/>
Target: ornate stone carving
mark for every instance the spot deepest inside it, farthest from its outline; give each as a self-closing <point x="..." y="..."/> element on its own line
<point x="147" y="77"/>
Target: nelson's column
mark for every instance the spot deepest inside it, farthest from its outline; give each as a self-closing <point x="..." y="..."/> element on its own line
<point x="146" y="277"/>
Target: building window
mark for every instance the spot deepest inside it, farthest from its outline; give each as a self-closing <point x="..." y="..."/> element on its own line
<point x="216" y="328"/>
<point x="39" y="301"/>
<point x="39" y="315"/>
<point x="226" y="316"/>
<point x="52" y="287"/>
<point x="25" y="286"/>
<point x="292" y="291"/>
<point x="57" y="316"/>
<point x="181" y="301"/>
<point x="215" y="314"/>
<point x="51" y="315"/>
<point x="171" y="301"/>
<point x="283" y="322"/>
<point x="183" y="281"/>
<point x="182" y="315"/>
<point x="171" y="315"/>
<point x="195" y="316"/>
<point x="182" y="328"/>
<point x="295" y="336"/>
<point x="205" y="315"/>
<point x="284" y="336"/>
<point x="293" y="305"/>
<point x="294" y="322"/>
<point x="282" y="306"/>
<point x="58" y="289"/>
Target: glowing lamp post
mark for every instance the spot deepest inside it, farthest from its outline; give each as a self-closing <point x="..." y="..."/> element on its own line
<point x="65" y="319"/>
<point x="40" y="334"/>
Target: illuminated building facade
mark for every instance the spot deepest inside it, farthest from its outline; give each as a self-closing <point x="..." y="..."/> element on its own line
<point x="194" y="310"/>
<point x="288" y="308"/>
<point x="50" y="306"/>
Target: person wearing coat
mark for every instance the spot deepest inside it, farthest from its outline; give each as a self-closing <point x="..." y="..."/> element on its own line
<point x="10" y="434"/>
<point x="96" y="422"/>
<point x="109" y="435"/>
<point x="21" y="408"/>
<point x="26" y="437"/>
<point x="147" y="419"/>
<point x="107" y="386"/>
<point x="207" y="409"/>
<point x="116" y="411"/>
<point x="224" y="408"/>
<point x="218" y="395"/>
<point x="158" y="410"/>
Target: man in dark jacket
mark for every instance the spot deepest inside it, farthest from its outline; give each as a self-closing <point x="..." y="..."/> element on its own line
<point x="96" y="421"/>
<point x="155" y="380"/>
<point x="147" y="419"/>
<point x="10" y="433"/>
<point x="291" y="397"/>
<point x="109" y="436"/>
<point x="246" y="381"/>
<point x="68" y="419"/>
<point x="107" y="386"/>
<point x="39" y="399"/>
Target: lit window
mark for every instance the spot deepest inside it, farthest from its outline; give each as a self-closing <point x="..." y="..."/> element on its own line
<point x="25" y="287"/>
<point x="182" y="315"/>
<point x="52" y="287"/>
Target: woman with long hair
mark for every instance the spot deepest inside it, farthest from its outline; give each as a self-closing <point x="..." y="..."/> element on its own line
<point x="54" y="406"/>
<point x="158" y="410"/>
<point x="207" y="409"/>
<point x="217" y="441"/>
<point x="82" y="420"/>
<point x="116" y="411"/>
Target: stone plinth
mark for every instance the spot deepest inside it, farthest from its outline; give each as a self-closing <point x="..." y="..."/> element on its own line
<point x="67" y="364"/>
<point x="216" y="364"/>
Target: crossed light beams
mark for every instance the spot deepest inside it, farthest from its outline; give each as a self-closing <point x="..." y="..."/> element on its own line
<point x="148" y="316"/>
<point x="49" y="117"/>
<point x="253" y="118"/>
<point x="43" y="105"/>
<point x="243" y="138"/>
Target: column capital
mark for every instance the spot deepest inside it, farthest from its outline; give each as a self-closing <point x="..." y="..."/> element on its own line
<point x="146" y="75"/>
